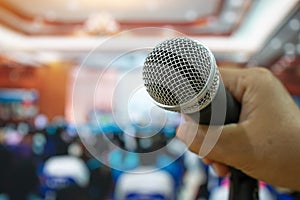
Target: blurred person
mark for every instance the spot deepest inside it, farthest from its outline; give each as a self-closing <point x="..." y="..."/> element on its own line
<point x="72" y="192"/>
<point x="101" y="183"/>
<point x="265" y="143"/>
<point x="6" y="160"/>
<point x="18" y="178"/>
<point x="25" y="180"/>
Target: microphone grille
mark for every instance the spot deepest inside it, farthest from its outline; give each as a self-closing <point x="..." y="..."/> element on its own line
<point x="179" y="70"/>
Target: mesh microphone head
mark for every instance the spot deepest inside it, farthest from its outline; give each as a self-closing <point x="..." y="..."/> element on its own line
<point x="181" y="75"/>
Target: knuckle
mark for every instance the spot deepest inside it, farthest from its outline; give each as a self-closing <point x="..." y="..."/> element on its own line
<point x="260" y="74"/>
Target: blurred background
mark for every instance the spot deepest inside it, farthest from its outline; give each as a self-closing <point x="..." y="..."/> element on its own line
<point x="75" y="120"/>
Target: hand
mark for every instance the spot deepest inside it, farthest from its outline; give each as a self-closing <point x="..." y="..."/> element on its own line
<point x="265" y="143"/>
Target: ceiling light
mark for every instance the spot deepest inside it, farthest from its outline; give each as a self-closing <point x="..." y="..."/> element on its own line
<point x="50" y="15"/>
<point x="298" y="49"/>
<point x="191" y="15"/>
<point x="236" y="3"/>
<point x="152" y="5"/>
<point x="294" y="24"/>
<point x="73" y="5"/>
<point x="229" y="17"/>
<point x="289" y="48"/>
<point x="101" y="24"/>
<point x="275" y="43"/>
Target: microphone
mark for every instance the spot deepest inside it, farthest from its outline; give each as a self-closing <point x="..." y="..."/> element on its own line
<point x="181" y="75"/>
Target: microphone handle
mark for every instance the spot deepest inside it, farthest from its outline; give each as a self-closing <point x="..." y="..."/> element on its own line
<point x="242" y="186"/>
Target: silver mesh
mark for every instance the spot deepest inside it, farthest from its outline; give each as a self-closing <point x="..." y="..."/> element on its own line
<point x="181" y="75"/>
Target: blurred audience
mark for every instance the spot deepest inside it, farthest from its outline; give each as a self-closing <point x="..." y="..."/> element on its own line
<point x="46" y="160"/>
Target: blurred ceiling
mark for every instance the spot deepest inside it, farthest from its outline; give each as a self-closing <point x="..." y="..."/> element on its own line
<point x="58" y="17"/>
<point x="227" y="27"/>
<point x="281" y="52"/>
<point x="118" y="32"/>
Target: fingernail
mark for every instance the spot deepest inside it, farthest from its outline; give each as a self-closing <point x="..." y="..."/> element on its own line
<point x="181" y="132"/>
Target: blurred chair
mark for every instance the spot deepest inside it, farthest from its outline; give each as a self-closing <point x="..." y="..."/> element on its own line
<point x="64" y="171"/>
<point x="145" y="184"/>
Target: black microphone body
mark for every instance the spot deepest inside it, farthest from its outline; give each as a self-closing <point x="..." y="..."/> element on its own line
<point x="242" y="186"/>
<point x="223" y="100"/>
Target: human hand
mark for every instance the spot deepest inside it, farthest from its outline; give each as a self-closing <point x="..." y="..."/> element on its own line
<point x="265" y="143"/>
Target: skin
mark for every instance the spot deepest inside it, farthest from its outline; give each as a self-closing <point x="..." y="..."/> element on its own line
<point x="265" y="143"/>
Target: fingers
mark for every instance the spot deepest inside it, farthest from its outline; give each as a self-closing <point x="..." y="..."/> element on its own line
<point x="219" y="168"/>
<point x="207" y="161"/>
<point x="240" y="81"/>
<point x="221" y="144"/>
<point x="233" y="80"/>
<point x="192" y="135"/>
